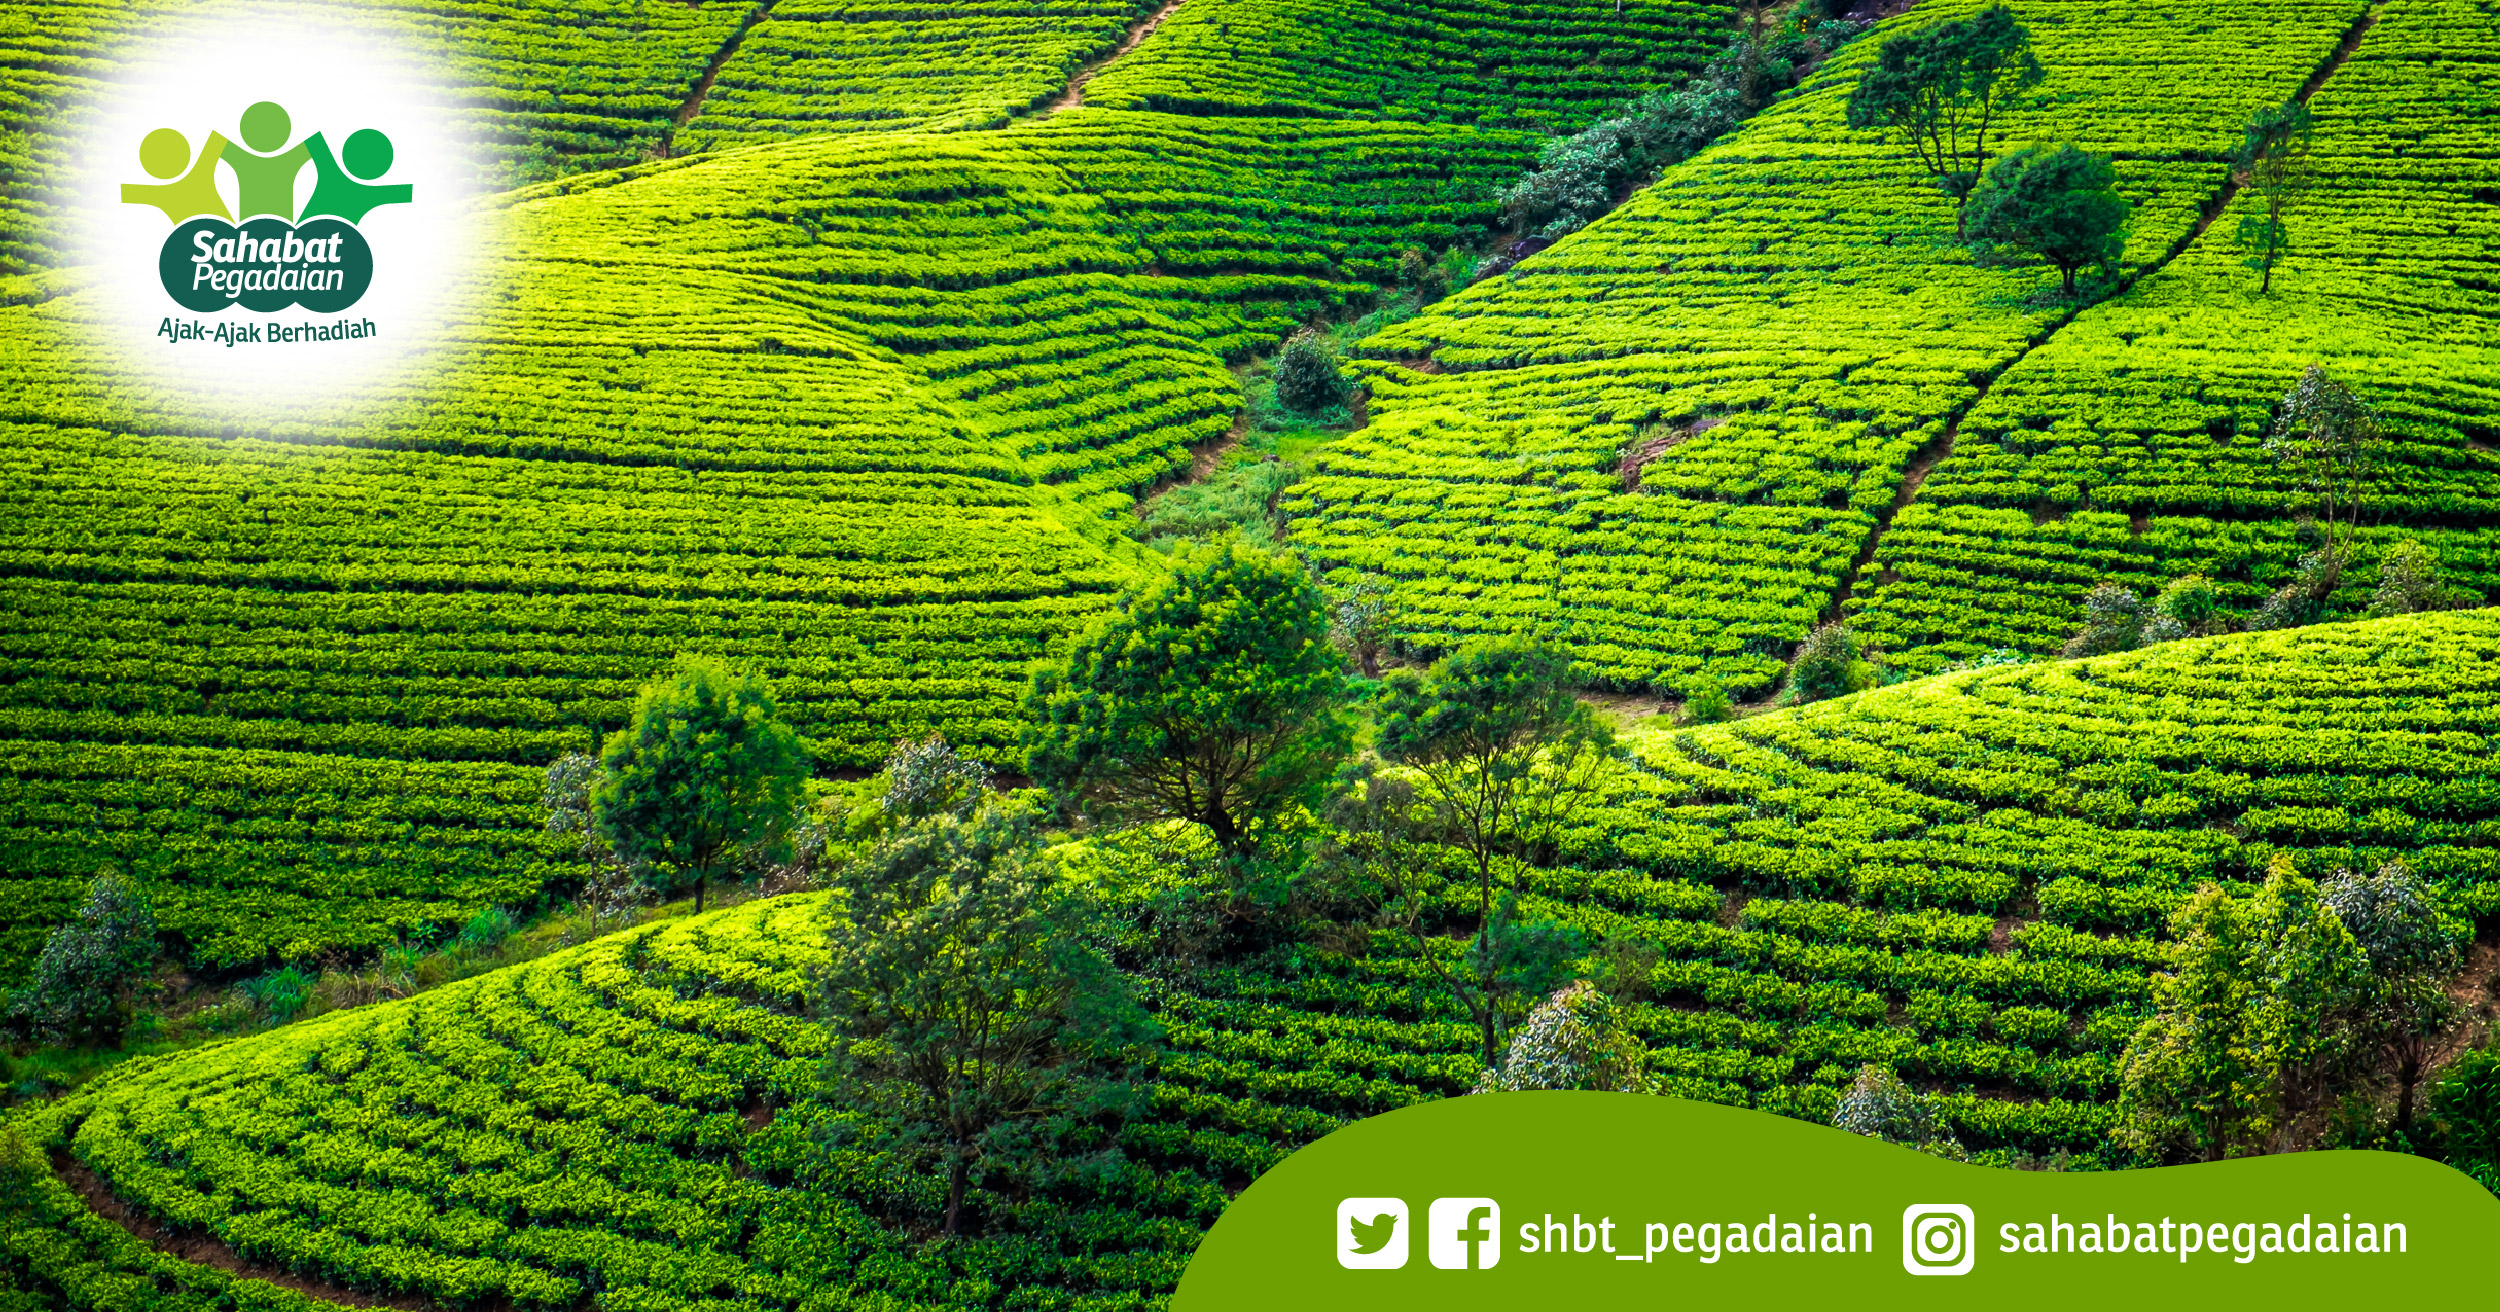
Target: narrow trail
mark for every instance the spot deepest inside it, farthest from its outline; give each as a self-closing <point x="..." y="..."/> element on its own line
<point x="711" y="72"/>
<point x="1925" y="462"/>
<point x="1075" y="92"/>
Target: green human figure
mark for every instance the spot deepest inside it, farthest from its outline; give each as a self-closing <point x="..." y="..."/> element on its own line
<point x="163" y="153"/>
<point x="264" y="179"/>
<point x="339" y="191"/>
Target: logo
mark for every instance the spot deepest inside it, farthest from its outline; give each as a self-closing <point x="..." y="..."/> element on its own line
<point x="1466" y="1233"/>
<point x="1371" y="1234"/>
<point x="262" y="254"/>
<point x="1936" y="1239"/>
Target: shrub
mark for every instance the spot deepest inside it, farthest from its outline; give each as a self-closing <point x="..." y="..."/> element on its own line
<point x="1706" y="702"/>
<point x="1307" y="379"/>
<point x="1879" y="1106"/>
<point x="2408" y="582"/>
<point x="79" y="991"/>
<point x="926" y="776"/>
<point x="2189" y="608"/>
<point x="1575" y="1039"/>
<point x="2302" y="600"/>
<point x="283" y="993"/>
<point x="2113" y="620"/>
<point x="2466" y="1104"/>
<point x="486" y="929"/>
<point x="1829" y="664"/>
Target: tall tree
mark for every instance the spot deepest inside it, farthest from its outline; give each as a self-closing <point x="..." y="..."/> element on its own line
<point x="2246" y="1021"/>
<point x="1208" y="695"/>
<point x="2403" y="1003"/>
<point x="703" y="775"/>
<point x="1943" y="89"/>
<point x="2060" y="204"/>
<point x="1508" y="756"/>
<point x="2272" y="169"/>
<point x="967" y="1001"/>
<point x="2331" y="441"/>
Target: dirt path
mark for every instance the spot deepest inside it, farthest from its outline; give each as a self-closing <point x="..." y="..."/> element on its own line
<point x="1075" y="94"/>
<point x="711" y="72"/>
<point x="1942" y="448"/>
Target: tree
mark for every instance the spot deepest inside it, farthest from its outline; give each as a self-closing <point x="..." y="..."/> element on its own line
<point x="2273" y="168"/>
<point x="1878" y="1105"/>
<point x="1509" y="756"/>
<point x="2330" y="441"/>
<point x="705" y="772"/>
<point x="925" y="776"/>
<point x="1575" y="1039"/>
<point x="2247" y="1022"/>
<point x="1829" y="664"/>
<point x="967" y="1000"/>
<point x="1942" y="90"/>
<point x="2402" y="1004"/>
<point x="2466" y="1103"/>
<point x="1307" y="379"/>
<point x="2113" y="621"/>
<point x="79" y="990"/>
<point x="1360" y="618"/>
<point x="1207" y="695"/>
<point x="2060" y="204"/>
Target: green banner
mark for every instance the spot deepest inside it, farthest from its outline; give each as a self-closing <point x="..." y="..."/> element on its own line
<point x="1605" y="1199"/>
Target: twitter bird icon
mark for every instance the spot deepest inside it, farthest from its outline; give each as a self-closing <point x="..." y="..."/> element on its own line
<point x="1371" y="1234"/>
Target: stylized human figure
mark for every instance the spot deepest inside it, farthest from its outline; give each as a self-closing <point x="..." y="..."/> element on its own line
<point x="163" y="153"/>
<point x="338" y="191"/>
<point x="264" y="179"/>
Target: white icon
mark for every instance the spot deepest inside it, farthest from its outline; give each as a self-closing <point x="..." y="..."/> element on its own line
<point x="1936" y="1239"/>
<point x="1371" y="1234"/>
<point x="1465" y="1233"/>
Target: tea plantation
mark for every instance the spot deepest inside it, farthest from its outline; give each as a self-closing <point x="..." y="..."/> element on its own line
<point x="1949" y="876"/>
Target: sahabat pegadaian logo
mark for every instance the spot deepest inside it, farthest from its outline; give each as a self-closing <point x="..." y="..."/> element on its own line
<point x="261" y="254"/>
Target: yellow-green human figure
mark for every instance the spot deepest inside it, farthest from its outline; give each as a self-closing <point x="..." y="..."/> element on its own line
<point x="339" y="191"/>
<point x="264" y="180"/>
<point x="163" y="153"/>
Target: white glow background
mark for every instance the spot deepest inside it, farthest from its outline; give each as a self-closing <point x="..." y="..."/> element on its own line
<point x="333" y="79"/>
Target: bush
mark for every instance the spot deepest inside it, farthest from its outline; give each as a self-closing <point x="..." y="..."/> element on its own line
<point x="1706" y="702"/>
<point x="2188" y="608"/>
<point x="79" y="990"/>
<point x="1575" y="1039"/>
<point x="283" y="993"/>
<point x="1307" y="380"/>
<point x="2466" y="1104"/>
<point x="1879" y="1106"/>
<point x="2303" y="600"/>
<point x="1828" y="664"/>
<point x="2113" y="620"/>
<point x="486" y="929"/>
<point x="2408" y="583"/>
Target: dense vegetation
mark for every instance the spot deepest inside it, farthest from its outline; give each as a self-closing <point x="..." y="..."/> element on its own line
<point x="1961" y="879"/>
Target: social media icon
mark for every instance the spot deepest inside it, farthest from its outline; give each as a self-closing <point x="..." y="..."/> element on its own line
<point x="1371" y="1234"/>
<point x="1465" y="1234"/>
<point x="1936" y="1239"/>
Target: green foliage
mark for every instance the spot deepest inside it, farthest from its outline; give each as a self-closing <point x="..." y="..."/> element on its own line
<point x="2273" y="167"/>
<point x="927" y="776"/>
<point x="1209" y="696"/>
<point x="2466" y="1104"/>
<point x="966" y="1000"/>
<point x="1943" y="90"/>
<point x="1237" y="499"/>
<point x="1575" y="1039"/>
<point x="704" y="775"/>
<point x="1706" y="701"/>
<point x="2401" y="1004"/>
<point x="2188" y="607"/>
<point x="2245" y="1023"/>
<point x="2059" y="204"/>
<point x="1828" y="664"/>
<point x="2409" y="582"/>
<point x="2332" y="442"/>
<point x="1878" y="1105"/>
<point x="1362" y="618"/>
<point x="79" y="991"/>
<point x="1307" y="378"/>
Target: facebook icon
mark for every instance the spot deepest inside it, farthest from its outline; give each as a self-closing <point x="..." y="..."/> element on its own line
<point x="1465" y="1233"/>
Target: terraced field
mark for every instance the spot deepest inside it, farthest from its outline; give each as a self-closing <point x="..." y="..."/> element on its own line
<point x="2130" y="445"/>
<point x="1666" y="441"/>
<point x="1954" y="877"/>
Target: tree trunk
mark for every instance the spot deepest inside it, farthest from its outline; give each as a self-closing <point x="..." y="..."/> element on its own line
<point x="2070" y="282"/>
<point x="701" y="878"/>
<point x="1220" y="824"/>
<point x="957" y="1173"/>
<point x="1370" y="654"/>
<point x="2408" y="1073"/>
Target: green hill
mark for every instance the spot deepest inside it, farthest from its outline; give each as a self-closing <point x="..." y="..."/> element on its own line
<point x="1673" y="441"/>
<point x="1952" y="876"/>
